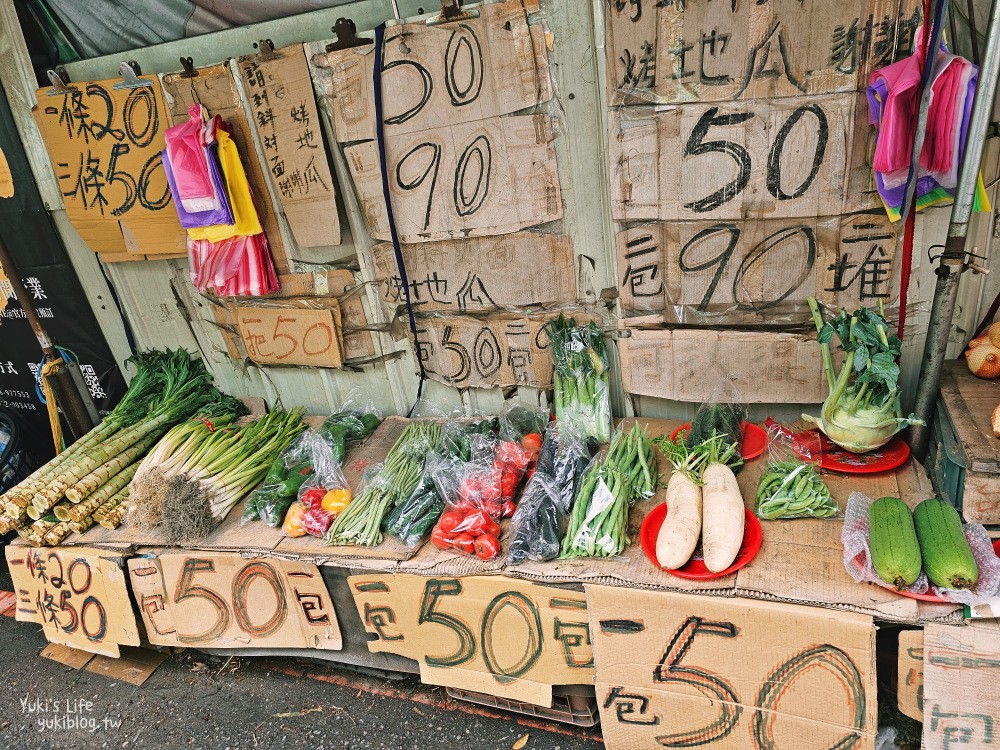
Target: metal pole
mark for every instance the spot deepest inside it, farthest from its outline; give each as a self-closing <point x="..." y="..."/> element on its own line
<point x="953" y="258"/>
<point x="79" y="418"/>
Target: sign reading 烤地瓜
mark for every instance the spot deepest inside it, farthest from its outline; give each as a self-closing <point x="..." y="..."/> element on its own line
<point x="281" y="97"/>
<point x="78" y="595"/>
<point x="756" y="267"/>
<point x="460" y="164"/>
<point x="220" y="600"/>
<point x="491" y="634"/>
<point x="105" y="144"/>
<point x="677" y="670"/>
<point x="681" y="51"/>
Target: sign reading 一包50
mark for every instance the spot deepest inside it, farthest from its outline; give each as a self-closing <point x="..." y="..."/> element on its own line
<point x="78" y="596"/>
<point x="677" y="670"/>
<point x="105" y="145"/>
<point x="491" y="634"/>
<point x="221" y="600"/>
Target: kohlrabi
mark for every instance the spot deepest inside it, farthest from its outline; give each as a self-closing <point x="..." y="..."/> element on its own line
<point x="862" y="412"/>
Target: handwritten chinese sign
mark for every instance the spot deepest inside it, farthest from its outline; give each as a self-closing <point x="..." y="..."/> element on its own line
<point x="689" y="671"/>
<point x="502" y="350"/>
<point x="220" y="600"/>
<point x="77" y="595"/>
<point x="910" y="674"/>
<point x="677" y="51"/>
<point x="105" y="146"/>
<point x="961" y="672"/>
<point x="480" y="273"/>
<point x="753" y="268"/>
<point x="285" y="117"/>
<point x="490" y="634"/>
<point x="292" y="335"/>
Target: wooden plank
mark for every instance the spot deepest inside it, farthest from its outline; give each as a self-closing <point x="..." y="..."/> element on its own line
<point x="754" y="269"/>
<point x="215" y="89"/>
<point x="286" y="119"/>
<point x="772" y="159"/>
<point x="480" y="273"/>
<point x="470" y="180"/>
<point x="970" y="402"/>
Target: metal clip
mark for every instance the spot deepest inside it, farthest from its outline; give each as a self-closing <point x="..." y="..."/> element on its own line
<point x="347" y="36"/>
<point x="266" y="47"/>
<point x="130" y="74"/>
<point x="59" y="87"/>
<point x="188" y="64"/>
<point x="451" y="11"/>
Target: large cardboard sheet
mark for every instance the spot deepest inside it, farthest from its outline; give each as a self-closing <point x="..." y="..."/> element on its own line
<point x="688" y="671"/>
<point x="305" y="331"/>
<point x="105" y="144"/>
<point x="910" y="674"/>
<point x="281" y="98"/>
<point x="494" y="635"/>
<point x="221" y="600"/>
<point x="961" y="674"/>
<point x="79" y="596"/>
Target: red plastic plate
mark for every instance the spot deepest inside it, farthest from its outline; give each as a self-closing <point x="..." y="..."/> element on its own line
<point x="890" y="456"/>
<point x="753" y="537"/>
<point x="935" y="597"/>
<point x="754" y="439"/>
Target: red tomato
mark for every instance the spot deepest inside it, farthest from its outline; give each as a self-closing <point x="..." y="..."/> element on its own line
<point x="473" y="523"/>
<point x="464" y="543"/>
<point x="450" y="521"/>
<point x="493" y="508"/>
<point x="507" y="510"/>
<point x="469" y="489"/>
<point x="532" y="442"/>
<point x="487" y="547"/>
<point x="440" y="539"/>
<point x="491" y="528"/>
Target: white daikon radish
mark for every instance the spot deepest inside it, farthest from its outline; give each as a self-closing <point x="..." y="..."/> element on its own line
<point x="723" y="517"/>
<point x="681" y="528"/>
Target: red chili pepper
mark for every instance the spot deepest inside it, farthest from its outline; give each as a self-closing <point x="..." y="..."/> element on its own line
<point x="487" y="547"/>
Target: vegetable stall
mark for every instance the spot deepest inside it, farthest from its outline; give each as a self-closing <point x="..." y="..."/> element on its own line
<point x="655" y="466"/>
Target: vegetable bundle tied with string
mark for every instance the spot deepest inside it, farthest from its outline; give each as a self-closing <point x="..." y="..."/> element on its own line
<point x="863" y="410"/>
<point x="203" y="467"/>
<point x="580" y="376"/>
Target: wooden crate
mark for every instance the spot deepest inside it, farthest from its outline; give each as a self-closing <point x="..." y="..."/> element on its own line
<point x="969" y="401"/>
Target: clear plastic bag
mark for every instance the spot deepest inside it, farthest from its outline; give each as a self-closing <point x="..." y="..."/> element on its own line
<point x="856" y="538"/>
<point x="539" y="522"/>
<point x="287" y="474"/>
<point x="518" y="421"/>
<point x="723" y="413"/>
<point x="350" y="424"/>
<point x="580" y="376"/>
<point x="326" y="494"/>
<point x="791" y="485"/>
<point x="469" y="523"/>
<point x="414" y="518"/>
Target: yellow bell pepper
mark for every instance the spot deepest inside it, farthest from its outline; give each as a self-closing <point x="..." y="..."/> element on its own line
<point x="335" y="501"/>
<point x="293" y="520"/>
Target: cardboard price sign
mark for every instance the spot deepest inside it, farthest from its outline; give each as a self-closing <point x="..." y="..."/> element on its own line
<point x="469" y="352"/>
<point x="220" y="600"/>
<point x="469" y="180"/>
<point x="480" y="273"/>
<point x="766" y="367"/>
<point x="750" y="267"/>
<point x="443" y="75"/>
<point x="735" y="160"/>
<point x="910" y="674"/>
<point x="105" y="147"/>
<point x="682" y="51"/>
<point x="292" y="335"/>
<point x="491" y="634"/>
<point x="677" y="670"/>
<point x="77" y="595"/>
<point x="961" y="673"/>
<point x="281" y="97"/>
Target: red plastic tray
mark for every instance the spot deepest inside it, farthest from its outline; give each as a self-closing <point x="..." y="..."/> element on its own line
<point x="753" y="537"/>
<point x="890" y="456"/>
<point x="754" y="439"/>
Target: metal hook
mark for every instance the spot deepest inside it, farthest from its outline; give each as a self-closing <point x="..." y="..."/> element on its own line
<point x="266" y="47"/>
<point x="59" y="87"/>
<point x="130" y="75"/>
<point x="451" y="11"/>
<point x="347" y="36"/>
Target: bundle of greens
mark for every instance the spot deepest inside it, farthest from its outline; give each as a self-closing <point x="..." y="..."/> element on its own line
<point x="168" y="387"/>
<point x="863" y="411"/>
<point x="598" y="523"/>
<point x="203" y="467"/>
<point x="580" y="377"/>
<point x="391" y="483"/>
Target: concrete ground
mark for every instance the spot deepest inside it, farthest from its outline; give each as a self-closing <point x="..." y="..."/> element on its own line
<point x="194" y="700"/>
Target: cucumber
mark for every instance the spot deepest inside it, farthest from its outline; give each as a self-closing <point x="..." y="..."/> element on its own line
<point x="948" y="559"/>
<point x="894" y="547"/>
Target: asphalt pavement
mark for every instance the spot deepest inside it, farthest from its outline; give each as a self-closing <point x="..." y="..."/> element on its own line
<point x="194" y="700"/>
